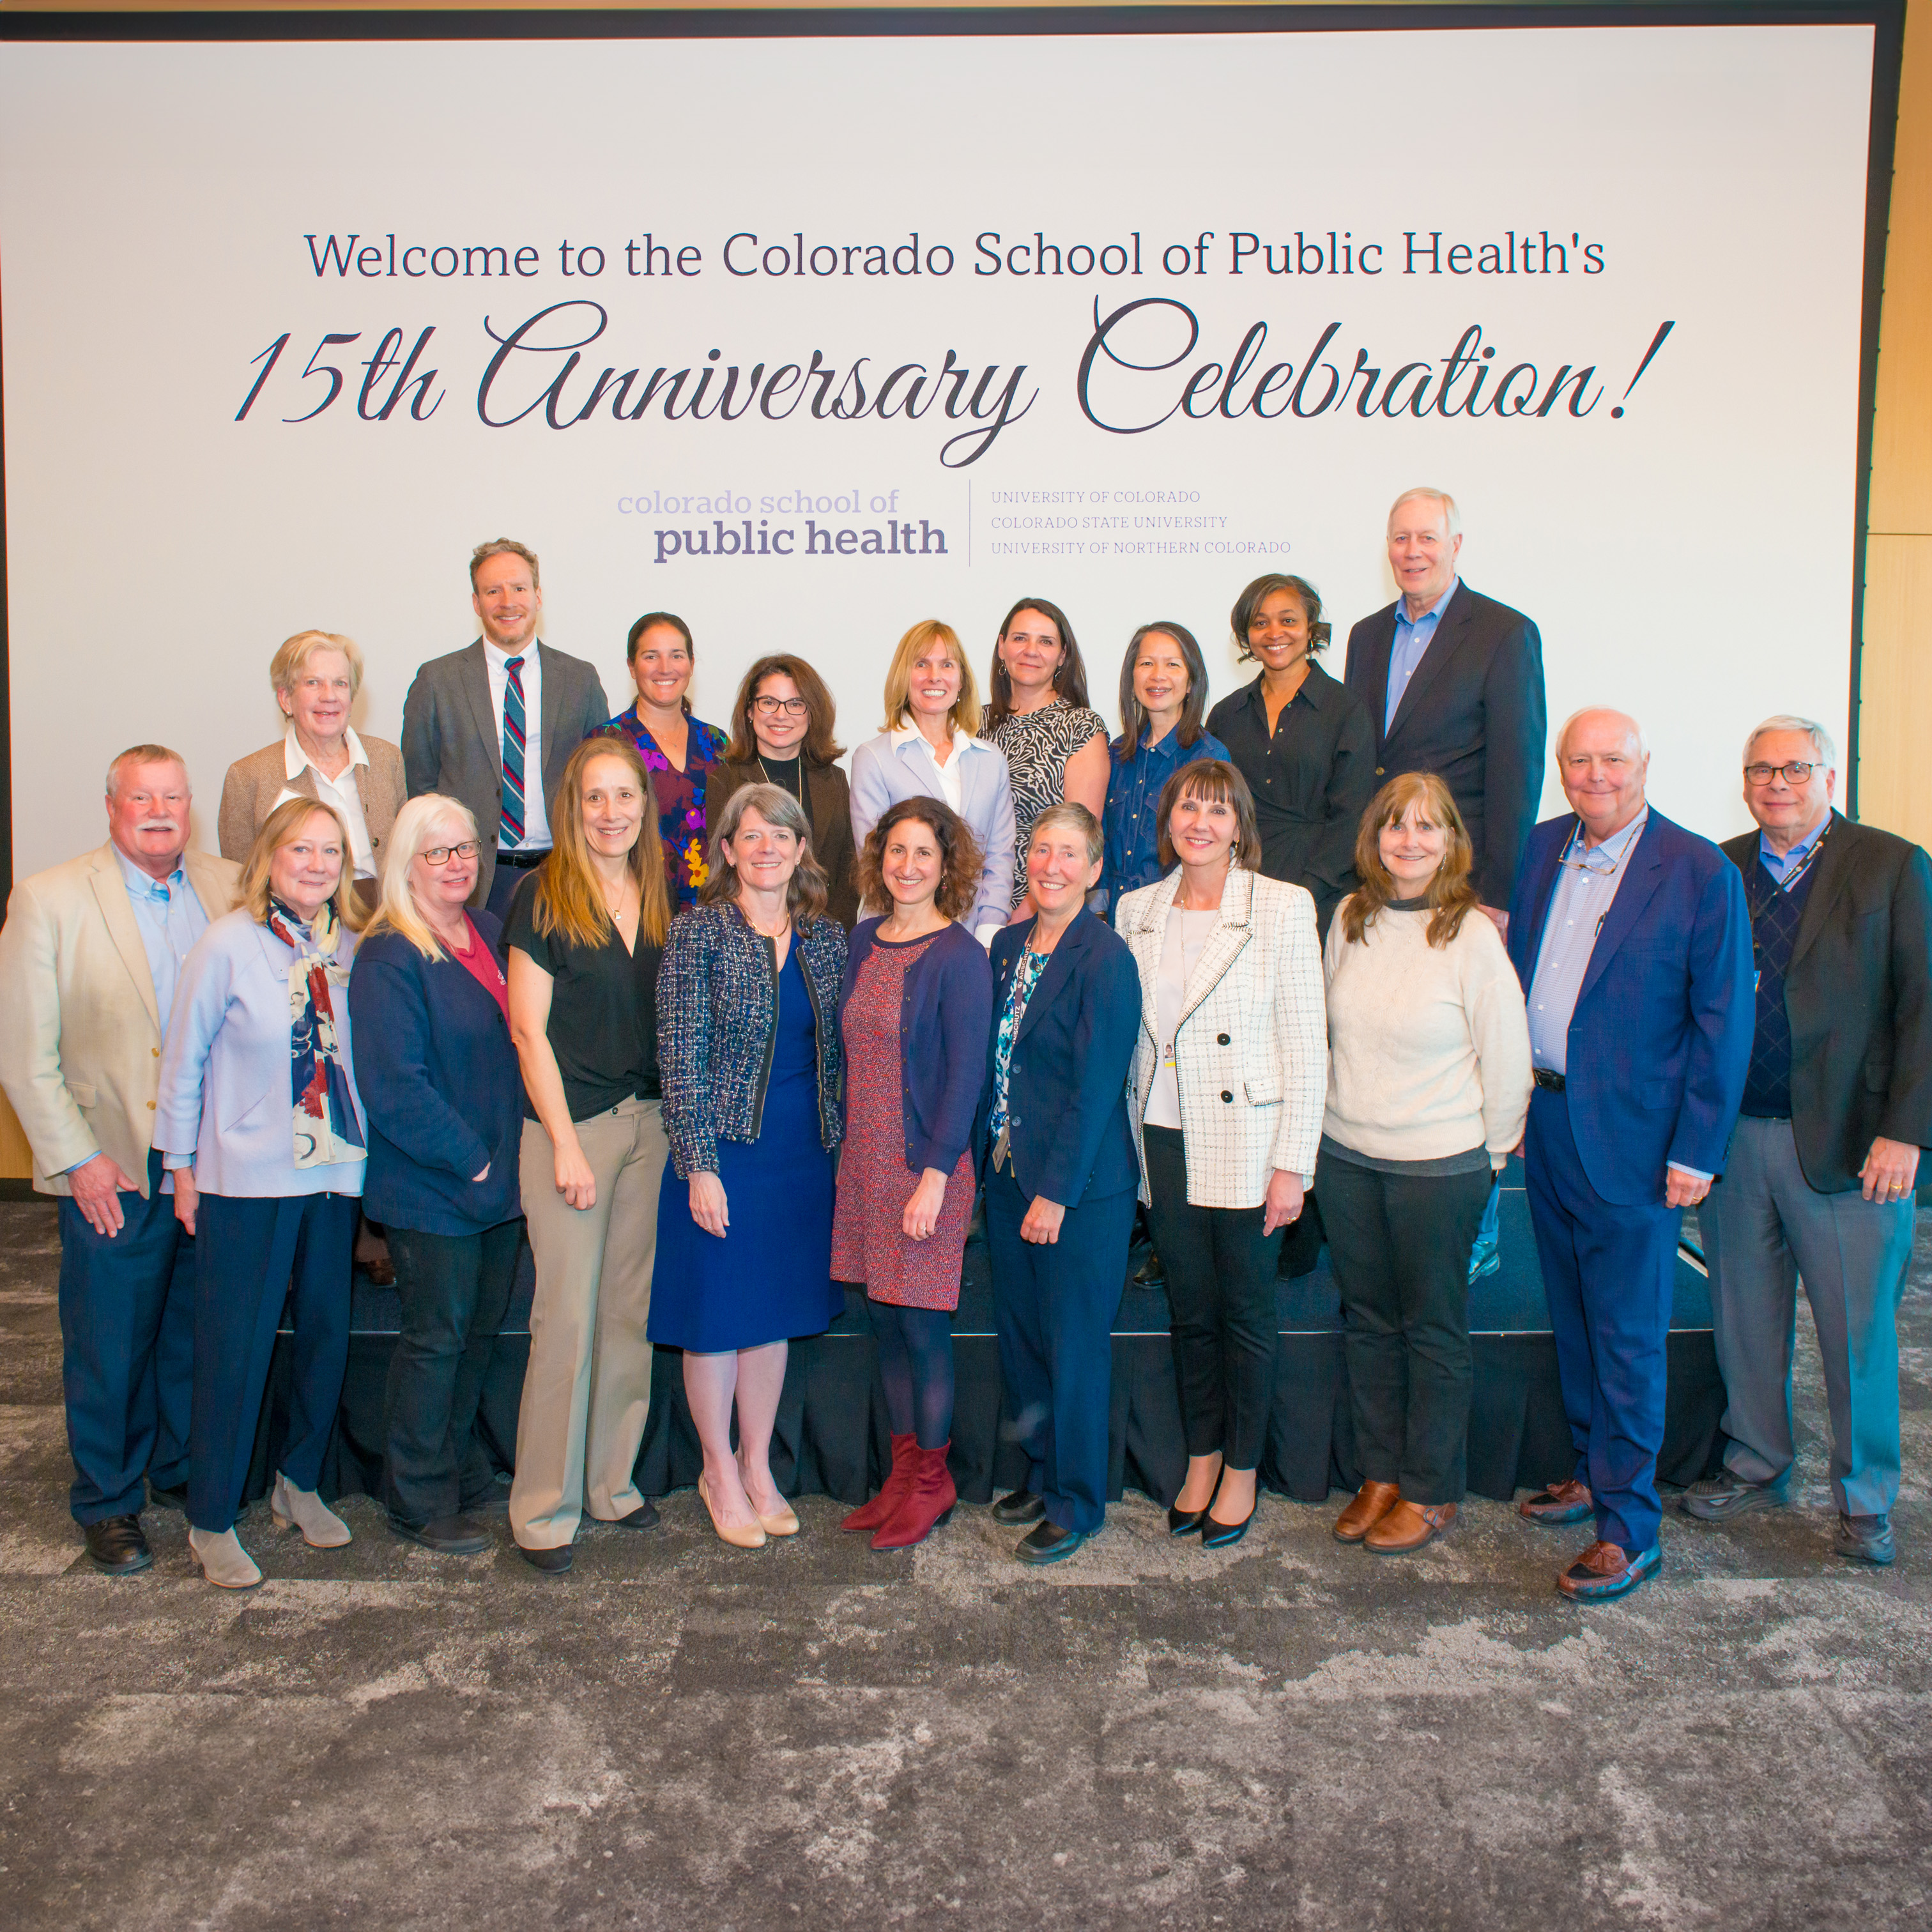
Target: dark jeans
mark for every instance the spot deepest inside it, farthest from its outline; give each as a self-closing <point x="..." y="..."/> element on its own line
<point x="1220" y="1285"/>
<point x="1399" y="1245"/>
<point x="251" y="1256"/>
<point x="127" y="1317"/>
<point x="454" y="1289"/>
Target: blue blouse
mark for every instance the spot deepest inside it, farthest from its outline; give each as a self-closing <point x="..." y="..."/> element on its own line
<point x="1133" y="796"/>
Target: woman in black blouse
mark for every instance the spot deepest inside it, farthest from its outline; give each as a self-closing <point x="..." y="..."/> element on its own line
<point x="1305" y="743"/>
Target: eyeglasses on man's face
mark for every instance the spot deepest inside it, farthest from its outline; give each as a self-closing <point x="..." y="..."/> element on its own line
<point x="770" y="707"/>
<point x="1795" y="773"/>
<point x="441" y="855"/>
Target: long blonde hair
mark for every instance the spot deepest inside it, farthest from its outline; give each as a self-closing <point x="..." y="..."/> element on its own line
<point x="569" y="898"/>
<point x="964" y="715"/>
<point x="398" y="912"/>
<point x="278" y="830"/>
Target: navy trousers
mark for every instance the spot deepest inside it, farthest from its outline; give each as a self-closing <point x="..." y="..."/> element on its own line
<point x="1608" y="1272"/>
<point x="1054" y="1304"/>
<point x="251" y="1256"/>
<point x="127" y="1316"/>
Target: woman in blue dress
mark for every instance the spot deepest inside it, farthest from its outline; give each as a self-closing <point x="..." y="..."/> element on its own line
<point x="748" y="1047"/>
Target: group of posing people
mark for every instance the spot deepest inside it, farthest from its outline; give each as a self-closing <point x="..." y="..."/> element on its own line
<point x="723" y="1031"/>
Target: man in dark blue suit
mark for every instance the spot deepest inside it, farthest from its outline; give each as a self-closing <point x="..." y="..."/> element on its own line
<point x="1633" y="941"/>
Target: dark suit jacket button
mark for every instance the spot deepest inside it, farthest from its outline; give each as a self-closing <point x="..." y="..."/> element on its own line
<point x="1221" y="1040"/>
<point x="1226" y="1096"/>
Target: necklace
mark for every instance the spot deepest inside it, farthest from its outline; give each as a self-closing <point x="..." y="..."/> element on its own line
<point x="800" y="794"/>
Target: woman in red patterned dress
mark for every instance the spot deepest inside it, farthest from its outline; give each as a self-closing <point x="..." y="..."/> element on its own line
<point x="905" y="1178"/>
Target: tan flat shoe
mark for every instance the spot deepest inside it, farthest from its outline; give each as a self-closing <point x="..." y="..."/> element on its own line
<point x="1409" y="1526"/>
<point x="783" y="1521"/>
<point x="1373" y="1501"/>
<point x="292" y="1508"/>
<point x="223" y="1560"/>
<point x="739" y="1538"/>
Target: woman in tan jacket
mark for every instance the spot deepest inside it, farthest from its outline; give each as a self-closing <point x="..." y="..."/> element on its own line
<point x="316" y="676"/>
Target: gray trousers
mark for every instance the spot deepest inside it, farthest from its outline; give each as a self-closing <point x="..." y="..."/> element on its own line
<point x="1765" y="1229"/>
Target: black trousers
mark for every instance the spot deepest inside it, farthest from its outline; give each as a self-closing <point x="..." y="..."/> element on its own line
<point x="1399" y="1245"/>
<point x="1220" y="1287"/>
<point x="454" y="1288"/>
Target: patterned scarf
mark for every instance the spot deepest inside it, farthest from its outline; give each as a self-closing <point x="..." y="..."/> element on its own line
<point x="326" y="1129"/>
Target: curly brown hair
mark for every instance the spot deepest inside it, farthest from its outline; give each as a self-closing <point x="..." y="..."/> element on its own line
<point x="959" y="850"/>
<point x="1451" y="894"/>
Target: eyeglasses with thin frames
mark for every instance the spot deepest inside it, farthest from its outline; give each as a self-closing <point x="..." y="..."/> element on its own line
<point x="1796" y="773"/>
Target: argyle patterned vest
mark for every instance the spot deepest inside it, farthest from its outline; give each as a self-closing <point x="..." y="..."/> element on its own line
<point x="1774" y="917"/>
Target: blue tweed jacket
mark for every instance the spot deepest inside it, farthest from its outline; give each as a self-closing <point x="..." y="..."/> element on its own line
<point x="717" y="1006"/>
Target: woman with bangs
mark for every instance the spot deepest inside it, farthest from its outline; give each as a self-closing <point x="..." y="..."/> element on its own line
<point x="781" y="734"/>
<point x="914" y="1014"/>
<point x="1429" y="1086"/>
<point x="586" y="934"/>
<point x="929" y="747"/>
<point x="1229" y="1068"/>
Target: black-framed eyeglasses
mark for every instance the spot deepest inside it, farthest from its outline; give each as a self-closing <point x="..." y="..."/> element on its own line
<point x="441" y="855"/>
<point x="769" y="707"/>
<point x="1795" y="773"/>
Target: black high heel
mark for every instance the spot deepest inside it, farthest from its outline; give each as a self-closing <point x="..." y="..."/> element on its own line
<point x="1225" y="1535"/>
<point x="1185" y="1522"/>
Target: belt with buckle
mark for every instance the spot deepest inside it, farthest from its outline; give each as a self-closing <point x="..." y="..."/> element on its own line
<point x="520" y="860"/>
<point x="1550" y="1083"/>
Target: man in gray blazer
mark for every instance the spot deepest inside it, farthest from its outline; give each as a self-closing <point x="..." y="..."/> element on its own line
<point x="494" y="724"/>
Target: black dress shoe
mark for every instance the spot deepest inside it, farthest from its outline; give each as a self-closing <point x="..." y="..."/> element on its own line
<point x="1151" y="1272"/>
<point x="447" y="1535"/>
<point x="117" y="1547"/>
<point x="165" y="1497"/>
<point x="1022" y="1506"/>
<point x="551" y="1562"/>
<point x="1185" y="1522"/>
<point x="1223" y="1535"/>
<point x="644" y="1517"/>
<point x="1048" y="1543"/>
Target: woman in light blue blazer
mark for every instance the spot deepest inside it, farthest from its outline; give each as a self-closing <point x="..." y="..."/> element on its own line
<point x="258" y="1121"/>
<point x="930" y="748"/>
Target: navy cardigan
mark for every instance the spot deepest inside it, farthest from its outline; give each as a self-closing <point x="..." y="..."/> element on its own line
<point x="946" y="1018"/>
<point x="1066" y="1090"/>
<point x="439" y="1079"/>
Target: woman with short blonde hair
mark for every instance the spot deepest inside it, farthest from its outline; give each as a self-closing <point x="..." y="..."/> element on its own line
<point x="438" y="1074"/>
<point x="929" y="747"/>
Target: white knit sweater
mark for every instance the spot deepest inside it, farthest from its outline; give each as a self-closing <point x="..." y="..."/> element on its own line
<point x="1428" y="1047"/>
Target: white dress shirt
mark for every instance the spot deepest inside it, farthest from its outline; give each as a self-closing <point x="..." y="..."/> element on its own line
<point x="341" y="793"/>
<point x="536" y="820"/>
<point x="947" y="774"/>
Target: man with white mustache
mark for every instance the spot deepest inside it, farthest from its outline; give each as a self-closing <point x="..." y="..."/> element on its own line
<point x="89" y="957"/>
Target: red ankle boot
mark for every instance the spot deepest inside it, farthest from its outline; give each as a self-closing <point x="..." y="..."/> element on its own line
<point x="927" y="1505"/>
<point x="879" y="1510"/>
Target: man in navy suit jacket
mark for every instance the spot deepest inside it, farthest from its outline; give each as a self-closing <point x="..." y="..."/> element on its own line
<point x="1633" y="941"/>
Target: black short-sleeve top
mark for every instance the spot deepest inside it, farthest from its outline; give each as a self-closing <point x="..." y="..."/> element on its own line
<point x="603" y="1012"/>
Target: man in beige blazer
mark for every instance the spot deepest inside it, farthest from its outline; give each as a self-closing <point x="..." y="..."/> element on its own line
<point x="89" y="957"/>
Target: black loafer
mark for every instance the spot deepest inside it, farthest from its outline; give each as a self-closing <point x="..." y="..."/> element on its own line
<point x="1223" y="1535"/>
<point x="172" y="1496"/>
<point x="551" y="1562"/>
<point x="644" y="1517"/>
<point x="117" y="1547"/>
<point x="1048" y="1543"/>
<point x="447" y="1535"/>
<point x="1021" y="1506"/>
<point x="1152" y="1272"/>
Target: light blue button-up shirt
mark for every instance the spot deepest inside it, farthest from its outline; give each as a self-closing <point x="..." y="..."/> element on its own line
<point x="1411" y="641"/>
<point x="171" y="918"/>
<point x="1781" y="865"/>
<point x="1586" y="888"/>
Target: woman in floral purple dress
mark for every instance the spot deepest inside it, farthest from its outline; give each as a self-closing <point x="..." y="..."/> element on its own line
<point x="678" y="749"/>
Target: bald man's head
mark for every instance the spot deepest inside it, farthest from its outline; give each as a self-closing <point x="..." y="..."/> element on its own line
<point x="1603" y="761"/>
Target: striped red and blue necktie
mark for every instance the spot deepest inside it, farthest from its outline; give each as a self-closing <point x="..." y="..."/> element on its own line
<point x="511" y="831"/>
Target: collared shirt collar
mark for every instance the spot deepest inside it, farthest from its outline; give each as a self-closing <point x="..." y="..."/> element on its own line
<point x="1779" y="863"/>
<point x="144" y="884"/>
<point x="906" y="731"/>
<point x="1432" y="614"/>
<point x="1610" y="854"/>
<point x="295" y="760"/>
<point x="1311" y="687"/>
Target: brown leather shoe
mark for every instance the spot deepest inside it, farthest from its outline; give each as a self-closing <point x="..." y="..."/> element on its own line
<point x="1561" y="1502"/>
<point x="1409" y="1526"/>
<point x="1373" y="1501"/>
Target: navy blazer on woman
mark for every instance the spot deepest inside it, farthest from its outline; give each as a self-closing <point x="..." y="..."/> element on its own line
<point x="1661" y="1039"/>
<point x="1066" y="1089"/>
<point x="439" y="1079"/>
<point x="946" y="1017"/>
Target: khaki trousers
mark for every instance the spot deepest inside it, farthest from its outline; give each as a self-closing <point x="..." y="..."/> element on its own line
<point x="588" y="1387"/>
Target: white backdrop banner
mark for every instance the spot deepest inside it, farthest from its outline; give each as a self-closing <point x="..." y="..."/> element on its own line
<point x="808" y="339"/>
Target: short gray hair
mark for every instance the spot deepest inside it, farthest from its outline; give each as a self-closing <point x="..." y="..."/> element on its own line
<point x="1451" y="516"/>
<point x="142" y="754"/>
<point x="1563" y="730"/>
<point x="1080" y="820"/>
<point x="1785" y="720"/>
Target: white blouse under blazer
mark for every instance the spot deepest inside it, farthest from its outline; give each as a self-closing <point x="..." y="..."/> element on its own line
<point x="1251" y="1052"/>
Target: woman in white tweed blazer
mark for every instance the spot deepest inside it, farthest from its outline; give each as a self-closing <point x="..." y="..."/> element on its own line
<point x="1228" y="1077"/>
